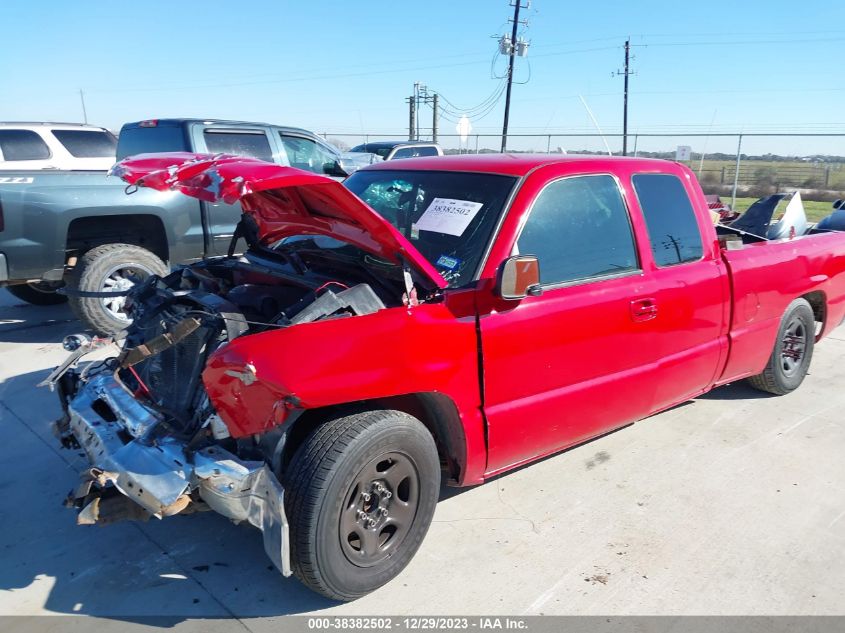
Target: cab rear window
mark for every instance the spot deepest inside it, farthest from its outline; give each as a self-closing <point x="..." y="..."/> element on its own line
<point x="151" y="140"/>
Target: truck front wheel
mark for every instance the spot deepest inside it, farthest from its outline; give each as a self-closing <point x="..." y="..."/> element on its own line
<point x="792" y="353"/>
<point x="110" y="268"/>
<point x="360" y="494"/>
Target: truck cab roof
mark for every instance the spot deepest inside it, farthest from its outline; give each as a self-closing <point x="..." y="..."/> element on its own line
<point x="146" y="123"/>
<point x="516" y="164"/>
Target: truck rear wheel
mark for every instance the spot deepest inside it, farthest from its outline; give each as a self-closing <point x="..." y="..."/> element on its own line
<point x="792" y="353"/>
<point x="38" y="294"/>
<point x="360" y="494"/>
<point x="108" y="268"/>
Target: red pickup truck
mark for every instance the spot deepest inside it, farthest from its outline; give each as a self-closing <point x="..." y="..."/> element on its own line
<point x="439" y="318"/>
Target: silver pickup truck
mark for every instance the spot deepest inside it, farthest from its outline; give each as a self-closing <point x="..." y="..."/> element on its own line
<point x="80" y="228"/>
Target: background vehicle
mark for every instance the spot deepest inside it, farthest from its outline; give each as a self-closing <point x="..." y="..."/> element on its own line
<point x="835" y="221"/>
<point x="389" y="150"/>
<point x="79" y="228"/>
<point x="460" y="316"/>
<point x="62" y="146"/>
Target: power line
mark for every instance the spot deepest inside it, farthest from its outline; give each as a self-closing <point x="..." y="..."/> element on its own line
<point x="455" y="109"/>
<point x="455" y="117"/>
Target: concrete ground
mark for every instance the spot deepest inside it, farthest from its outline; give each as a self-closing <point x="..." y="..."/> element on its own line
<point x="731" y="504"/>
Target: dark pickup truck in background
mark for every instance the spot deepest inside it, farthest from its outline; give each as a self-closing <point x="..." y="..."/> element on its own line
<point x="80" y="229"/>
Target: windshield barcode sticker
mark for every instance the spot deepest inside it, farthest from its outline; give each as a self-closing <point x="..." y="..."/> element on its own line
<point x="445" y="215"/>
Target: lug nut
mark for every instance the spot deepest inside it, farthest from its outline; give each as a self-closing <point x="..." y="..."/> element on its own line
<point x="387" y="494"/>
<point x="383" y="512"/>
<point x="365" y="496"/>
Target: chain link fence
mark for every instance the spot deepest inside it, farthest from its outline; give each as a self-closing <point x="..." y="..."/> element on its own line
<point x="738" y="167"/>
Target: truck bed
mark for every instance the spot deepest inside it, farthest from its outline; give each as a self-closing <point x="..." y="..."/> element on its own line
<point x="800" y="266"/>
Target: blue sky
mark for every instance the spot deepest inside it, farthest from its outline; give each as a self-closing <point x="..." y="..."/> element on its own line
<point x="346" y="67"/>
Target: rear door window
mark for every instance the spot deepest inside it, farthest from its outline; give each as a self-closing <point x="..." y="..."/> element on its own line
<point x="672" y="225"/>
<point x="305" y="153"/>
<point x="87" y="143"/>
<point x="22" y="145"/>
<point x="579" y="229"/>
<point x="241" y="143"/>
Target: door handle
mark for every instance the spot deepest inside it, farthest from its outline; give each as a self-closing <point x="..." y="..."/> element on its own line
<point x="643" y="309"/>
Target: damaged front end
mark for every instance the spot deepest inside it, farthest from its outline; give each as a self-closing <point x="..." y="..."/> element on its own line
<point x="139" y="473"/>
<point x="155" y="445"/>
<point x="155" y="442"/>
<point x="160" y="441"/>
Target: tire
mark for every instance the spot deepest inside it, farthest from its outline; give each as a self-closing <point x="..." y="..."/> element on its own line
<point x="38" y="294"/>
<point x="105" y="268"/>
<point x="335" y="551"/>
<point x="792" y="352"/>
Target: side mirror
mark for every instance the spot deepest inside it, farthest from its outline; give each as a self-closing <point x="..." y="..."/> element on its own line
<point x="519" y="276"/>
<point x="337" y="168"/>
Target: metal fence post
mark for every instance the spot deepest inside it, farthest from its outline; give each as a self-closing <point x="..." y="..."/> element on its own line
<point x="476" y="143"/>
<point x="549" y="144"/>
<point x="736" y="174"/>
<point x="636" y="138"/>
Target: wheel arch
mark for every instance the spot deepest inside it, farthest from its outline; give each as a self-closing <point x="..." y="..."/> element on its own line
<point x="437" y="412"/>
<point x="139" y="229"/>
<point x="818" y="302"/>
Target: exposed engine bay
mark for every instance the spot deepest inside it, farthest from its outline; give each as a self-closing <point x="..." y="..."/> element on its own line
<point x="156" y="445"/>
<point x="182" y="319"/>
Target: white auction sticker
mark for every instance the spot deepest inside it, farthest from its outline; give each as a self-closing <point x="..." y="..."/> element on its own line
<point x="445" y="215"/>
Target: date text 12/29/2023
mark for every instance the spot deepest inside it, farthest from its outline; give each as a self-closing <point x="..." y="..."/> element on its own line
<point x="416" y="623"/>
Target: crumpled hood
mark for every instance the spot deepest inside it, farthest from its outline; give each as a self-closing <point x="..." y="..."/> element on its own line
<point x="282" y="201"/>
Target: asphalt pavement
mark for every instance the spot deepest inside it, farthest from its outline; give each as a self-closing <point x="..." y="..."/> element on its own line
<point x="730" y="504"/>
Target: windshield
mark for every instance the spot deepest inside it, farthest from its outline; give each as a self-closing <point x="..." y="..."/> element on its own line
<point x="448" y="216"/>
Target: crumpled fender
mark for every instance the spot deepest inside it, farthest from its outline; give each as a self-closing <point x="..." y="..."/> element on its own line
<point x="255" y="381"/>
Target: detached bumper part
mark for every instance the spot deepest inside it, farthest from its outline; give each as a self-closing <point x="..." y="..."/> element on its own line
<point x="111" y="427"/>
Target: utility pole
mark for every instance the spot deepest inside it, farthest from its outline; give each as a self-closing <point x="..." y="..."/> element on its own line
<point x="517" y="5"/>
<point x="625" y="99"/>
<point x="422" y="95"/>
<point x="435" y="105"/>
<point x="626" y="73"/>
<point x="412" y="115"/>
<point x="84" y="113"/>
<point x="416" y="108"/>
